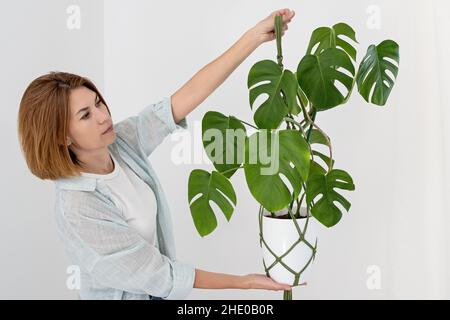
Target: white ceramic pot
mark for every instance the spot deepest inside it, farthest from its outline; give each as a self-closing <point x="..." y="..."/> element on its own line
<point x="279" y="235"/>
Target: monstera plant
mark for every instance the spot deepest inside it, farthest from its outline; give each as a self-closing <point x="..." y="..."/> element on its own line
<point x="284" y="167"/>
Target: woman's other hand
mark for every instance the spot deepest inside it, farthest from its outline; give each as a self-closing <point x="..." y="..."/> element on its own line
<point x="261" y="281"/>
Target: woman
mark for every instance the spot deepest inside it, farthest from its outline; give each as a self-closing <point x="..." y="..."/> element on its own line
<point x="111" y="211"/>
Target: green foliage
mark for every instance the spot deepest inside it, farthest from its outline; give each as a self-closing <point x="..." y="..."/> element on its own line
<point x="284" y="167"/>
<point x="209" y="187"/>
<point x="266" y="186"/>
<point x="372" y="72"/>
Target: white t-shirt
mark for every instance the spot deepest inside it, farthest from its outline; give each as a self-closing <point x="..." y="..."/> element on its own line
<point x="135" y="198"/>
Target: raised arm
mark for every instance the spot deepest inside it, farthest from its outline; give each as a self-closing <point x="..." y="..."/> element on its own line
<point x="205" y="81"/>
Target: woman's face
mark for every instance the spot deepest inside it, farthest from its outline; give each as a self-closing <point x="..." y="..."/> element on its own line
<point x="89" y="119"/>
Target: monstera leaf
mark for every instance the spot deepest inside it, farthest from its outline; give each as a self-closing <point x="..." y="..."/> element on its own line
<point x="325" y="38"/>
<point x="209" y="187"/>
<point x="315" y="168"/>
<point x="301" y="96"/>
<point x="372" y="73"/>
<point x="324" y="209"/>
<point x="223" y="139"/>
<point x="317" y="137"/>
<point x="267" y="77"/>
<point x="290" y="157"/>
<point x="326" y="159"/>
<point x="316" y="75"/>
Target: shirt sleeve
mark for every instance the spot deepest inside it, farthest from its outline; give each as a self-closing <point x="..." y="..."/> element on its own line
<point x="146" y="130"/>
<point x="117" y="256"/>
<point x="155" y="122"/>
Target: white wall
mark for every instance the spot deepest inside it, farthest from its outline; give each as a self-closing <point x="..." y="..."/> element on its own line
<point x="35" y="40"/>
<point x="395" y="154"/>
<point x="139" y="51"/>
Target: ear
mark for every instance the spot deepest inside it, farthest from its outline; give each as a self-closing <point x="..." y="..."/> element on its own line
<point x="69" y="142"/>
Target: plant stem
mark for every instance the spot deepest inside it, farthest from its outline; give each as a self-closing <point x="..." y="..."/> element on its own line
<point x="299" y="204"/>
<point x="312" y="123"/>
<point x="296" y="123"/>
<point x="292" y="202"/>
<point x="250" y="125"/>
<point x="231" y="169"/>
<point x="297" y="212"/>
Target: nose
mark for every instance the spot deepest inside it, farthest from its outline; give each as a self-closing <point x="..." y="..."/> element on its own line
<point x="102" y="116"/>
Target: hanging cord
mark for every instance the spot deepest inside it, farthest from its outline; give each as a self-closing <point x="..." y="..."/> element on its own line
<point x="287" y="295"/>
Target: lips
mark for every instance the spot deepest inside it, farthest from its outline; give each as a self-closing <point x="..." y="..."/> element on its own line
<point x="107" y="129"/>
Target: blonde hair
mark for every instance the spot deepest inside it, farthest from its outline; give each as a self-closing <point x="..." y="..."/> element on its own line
<point x="43" y="124"/>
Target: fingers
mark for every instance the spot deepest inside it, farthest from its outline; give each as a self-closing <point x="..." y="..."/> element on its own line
<point x="265" y="282"/>
<point x="272" y="35"/>
<point x="281" y="286"/>
<point x="288" y="17"/>
<point x="292" y="15"/>
<point x="285" y="13"/>
<point x="281" y="12"/>
<point x="278" y="287"/>
<point x="302" y="284"/>
<point x="285" y="27"/>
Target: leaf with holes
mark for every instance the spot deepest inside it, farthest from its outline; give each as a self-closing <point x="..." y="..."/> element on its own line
<point x="372" y="76"/>
<point x="317" y="75"/>
<point x="223" y="139"/>
<point x="318" y="137"/>
<point x="209" y="187"/>
<point x="301" y="98"/>
<point x="266" y="160"/>
<point x="315" y="168"/>
<point x="326" y="159"/>
<point x="324" y="210"/>
<point x="325" y="38"/>
<point x="267" y="77"/>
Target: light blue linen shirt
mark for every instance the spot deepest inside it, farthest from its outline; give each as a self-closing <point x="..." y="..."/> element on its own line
<point x="115" y="261"/>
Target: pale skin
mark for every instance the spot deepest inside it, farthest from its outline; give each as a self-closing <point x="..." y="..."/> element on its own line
<point x="91" y="146"/>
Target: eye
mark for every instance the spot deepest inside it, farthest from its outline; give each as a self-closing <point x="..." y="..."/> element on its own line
<point x="97" y="103"/>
